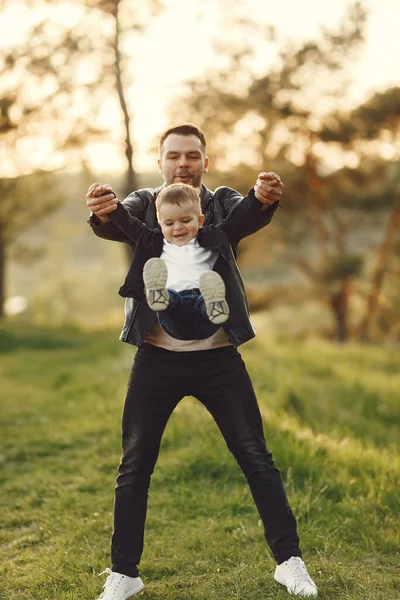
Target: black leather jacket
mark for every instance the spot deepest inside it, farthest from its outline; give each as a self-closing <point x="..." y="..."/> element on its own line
<point x="216" y="206"/>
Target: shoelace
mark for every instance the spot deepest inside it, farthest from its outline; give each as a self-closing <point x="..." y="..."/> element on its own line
<point x="113" y="578"/>
<point x="108" y="571"/>
<point x="299" y="571"/>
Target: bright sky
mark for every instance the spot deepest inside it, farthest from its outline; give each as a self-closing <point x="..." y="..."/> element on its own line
<point x="179" y="46"/>
<point x="173" y="53"/>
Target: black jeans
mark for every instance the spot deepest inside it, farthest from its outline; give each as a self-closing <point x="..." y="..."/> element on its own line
<point x="218" y="378"/>
<point x="186" y="317"/>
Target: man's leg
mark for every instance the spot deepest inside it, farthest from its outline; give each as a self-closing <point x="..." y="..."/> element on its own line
<point x="153" y="393"/>
<point x="228" y="394"/>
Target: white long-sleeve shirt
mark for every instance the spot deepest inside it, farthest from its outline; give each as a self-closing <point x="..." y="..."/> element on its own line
<point x="186" y="263"/>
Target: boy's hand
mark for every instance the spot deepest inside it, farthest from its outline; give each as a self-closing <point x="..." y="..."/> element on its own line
<point x="101" y="200"/>
<point x="268" y="189"/>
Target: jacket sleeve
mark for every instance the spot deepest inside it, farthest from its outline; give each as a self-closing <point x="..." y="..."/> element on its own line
<point x="227" y="198"/>
<point x="136" y="203"/>
<point x="129" y="225"/>
<point x="247" y="217"/>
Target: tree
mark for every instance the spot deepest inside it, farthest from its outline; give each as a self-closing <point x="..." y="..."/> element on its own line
<point x="129" y="22"/>
<point x="281" y="112"/>
<point x="40" y="192"/>
<point x="364" y="130"/>
<point x="44" y="104"/>
<point x="53" y="87"/>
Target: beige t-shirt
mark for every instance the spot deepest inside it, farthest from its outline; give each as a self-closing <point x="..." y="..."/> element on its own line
<point x="158" y="337"/>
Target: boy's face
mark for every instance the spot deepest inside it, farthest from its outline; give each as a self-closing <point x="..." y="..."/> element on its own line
<point x="179" y="224"/>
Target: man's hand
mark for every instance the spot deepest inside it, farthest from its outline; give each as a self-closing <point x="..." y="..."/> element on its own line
<point x="268" y="189"/>
<point x="101" y="200"/>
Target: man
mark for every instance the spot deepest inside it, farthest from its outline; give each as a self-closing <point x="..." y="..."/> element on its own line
<point x="181" y="367"/>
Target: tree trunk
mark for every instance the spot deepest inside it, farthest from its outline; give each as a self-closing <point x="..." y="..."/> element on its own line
<point x="130" y="174"/>
<point x="339" y="303"/>
<point x="383" y="254"/>
<point x="2" y="273"/>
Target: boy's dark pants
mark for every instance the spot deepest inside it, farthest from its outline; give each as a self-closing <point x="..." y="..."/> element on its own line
<point x="186" y="316"/>
<point x="218" y="378"/>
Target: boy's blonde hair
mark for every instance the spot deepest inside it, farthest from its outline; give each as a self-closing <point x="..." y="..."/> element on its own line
<point x="178" y="194"/>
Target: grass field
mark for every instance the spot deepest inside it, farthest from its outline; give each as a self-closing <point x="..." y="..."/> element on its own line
<point x="331" y="419"/>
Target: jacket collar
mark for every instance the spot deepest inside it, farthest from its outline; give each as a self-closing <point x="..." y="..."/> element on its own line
<point x="205" y="196"/>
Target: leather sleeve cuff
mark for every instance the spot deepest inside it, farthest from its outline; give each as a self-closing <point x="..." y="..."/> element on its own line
<point x="93" y="220"/>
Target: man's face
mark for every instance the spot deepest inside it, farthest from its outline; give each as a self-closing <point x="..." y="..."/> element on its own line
<point x="182" y="159"/>
<point x="179" y="224"/>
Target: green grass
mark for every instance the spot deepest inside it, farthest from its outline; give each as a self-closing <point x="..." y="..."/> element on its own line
<point x="331" y="418"/>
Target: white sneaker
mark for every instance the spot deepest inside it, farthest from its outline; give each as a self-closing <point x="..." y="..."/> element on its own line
<point x="293" y="573"/>
<point x="212" y="288"/>
<point x="120" y="587"/>
<point x="155" y="275"/>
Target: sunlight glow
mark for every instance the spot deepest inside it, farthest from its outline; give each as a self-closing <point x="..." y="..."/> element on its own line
<point x="179" y="45"/>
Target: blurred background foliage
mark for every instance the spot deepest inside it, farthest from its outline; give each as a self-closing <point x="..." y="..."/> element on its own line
<point x="329" y="264"/>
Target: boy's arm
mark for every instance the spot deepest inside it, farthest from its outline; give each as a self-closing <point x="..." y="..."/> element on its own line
<point x="136" y="204"/>
<point x="130" y="226"/>
<point x="247" y="217"/>
<point x="268" y="190"/>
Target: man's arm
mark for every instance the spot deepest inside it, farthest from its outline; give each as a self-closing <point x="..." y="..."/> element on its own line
<point x="255" y="210"/>
<point x="268" y="190"/>
<point x="102" y="201"/>
<point x="247" y="217"/>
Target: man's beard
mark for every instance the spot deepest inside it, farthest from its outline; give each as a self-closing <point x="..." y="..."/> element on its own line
<point x="195" y="182"/>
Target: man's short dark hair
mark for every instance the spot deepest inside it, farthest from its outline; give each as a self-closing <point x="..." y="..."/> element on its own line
<point x="184" y="129"/>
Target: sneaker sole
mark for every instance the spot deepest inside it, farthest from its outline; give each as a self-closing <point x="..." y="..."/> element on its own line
<point x="155" y="275"/>
<point x="212" y="289"/>
<point x="296" y="593"/>
<point x="135" y="591"/>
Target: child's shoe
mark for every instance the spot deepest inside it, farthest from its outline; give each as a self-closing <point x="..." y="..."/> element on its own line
<point x="155" y="275"/>
<point x="212" y="289"/>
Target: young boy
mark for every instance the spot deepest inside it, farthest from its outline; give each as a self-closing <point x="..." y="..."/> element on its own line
<point x="180" y="285"/>
<point x="174" y="263"/>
